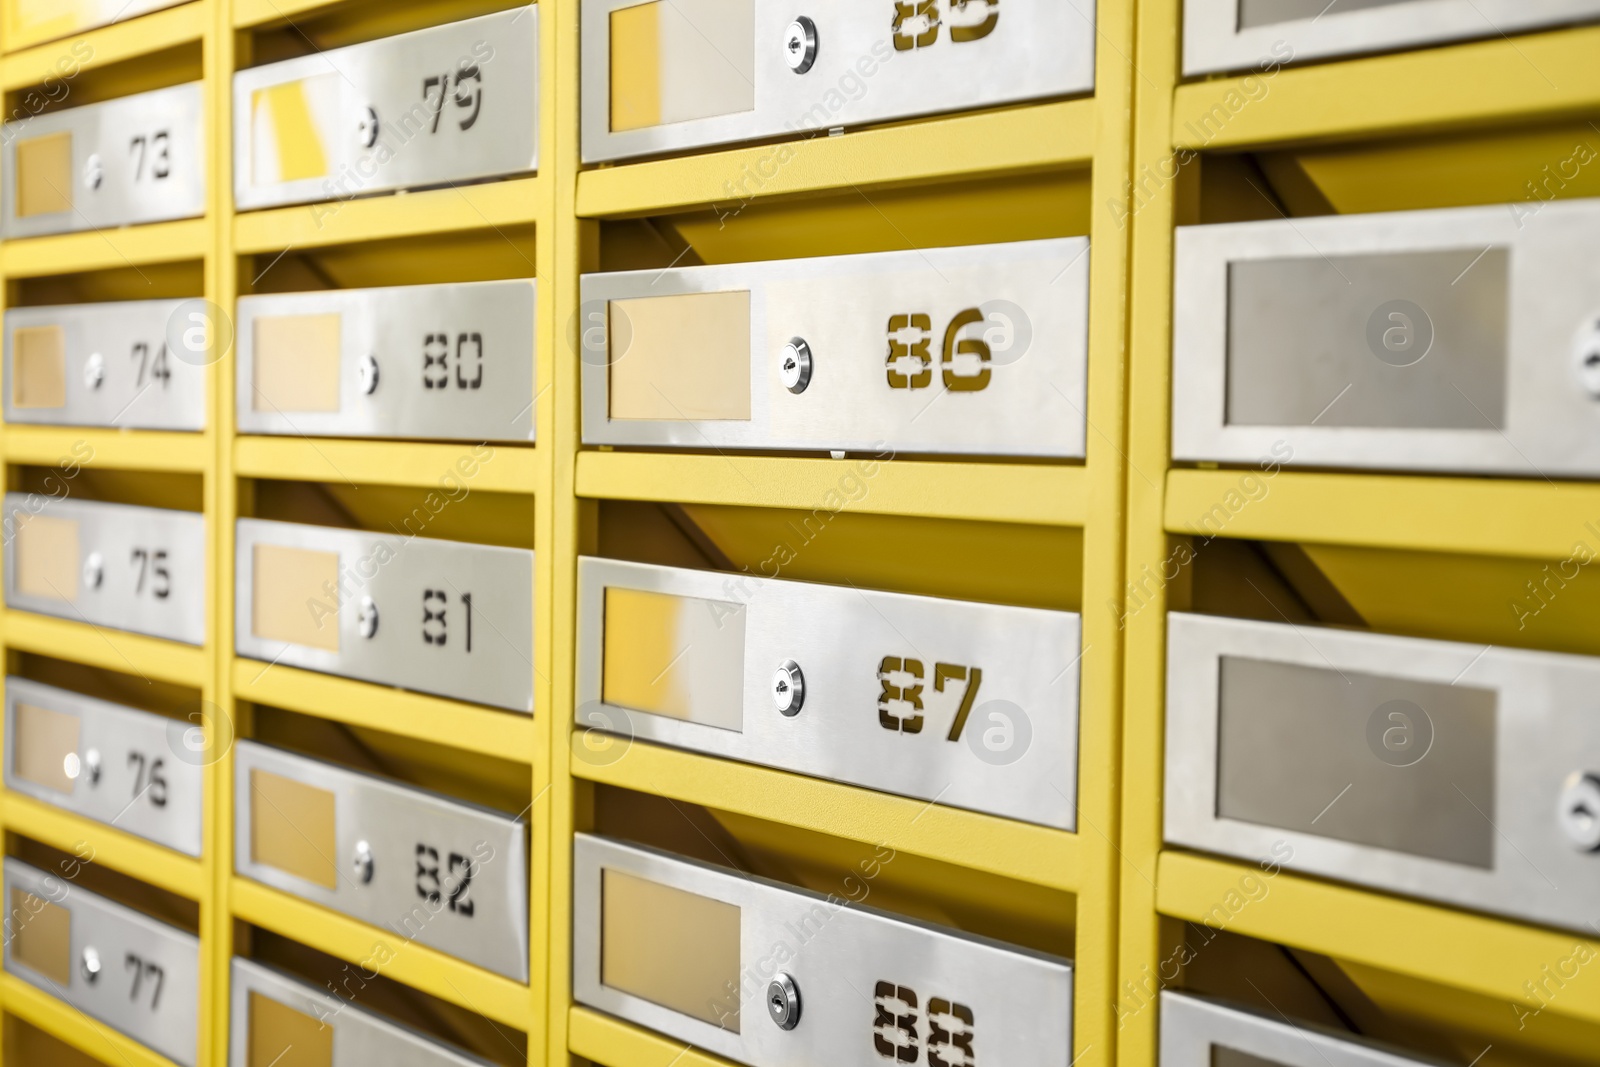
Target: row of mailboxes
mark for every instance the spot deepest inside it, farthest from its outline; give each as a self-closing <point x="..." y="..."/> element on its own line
<point x="979" y="349"/>
<point x="1454" y="772"/>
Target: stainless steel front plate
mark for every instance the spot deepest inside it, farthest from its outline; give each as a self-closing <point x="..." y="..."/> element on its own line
<point x="361" y="1037"/>
<point x="448" y="104"/>
<point x="869" y="65"/>
<point x="1221" y="35"/>
<point x="138" y="771"/>
<point x="862" y="317"/>
<point x="1194" y="1029"/>
<point x="134" y="159"/>
<point x="151" y="562"/>
<point x="1505" y="390"/>
<point x="448" y="874"/>
<point x="451" y="618"/>
<point x="148" y="986"/>
<point x="1544" y="728"/>
<point x="450" y="362"/>
<point x="864" y="719"/>
<point x="839" y="956"/>
<point x="119" y="369"/>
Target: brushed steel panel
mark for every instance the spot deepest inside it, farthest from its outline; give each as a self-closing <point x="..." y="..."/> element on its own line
<point x="1201" y="1031"/>
<point x="448" y="874"/>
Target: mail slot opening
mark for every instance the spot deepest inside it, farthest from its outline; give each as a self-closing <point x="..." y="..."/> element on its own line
<point x="493" y="254"/>
<point x="450" y="507"/>
<point x="80" y="475"/>
<point x="164" y="698"/>
<point x="355" y="23"/>
<point x="857" y="873"/>
<point x="26" y="1043"/>
<point x="69" y="84"/>
<point x="1025" y="565"/>
<point x="477" y="778"/>
<point x="360" y="984"/>
<point x="81" y="867"/>
<point x="182" y="279"/>
<point x="1539" y="604"/>
<point x="1300" y="992"/>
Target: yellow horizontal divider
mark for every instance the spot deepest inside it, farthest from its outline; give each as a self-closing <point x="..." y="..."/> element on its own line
<point x="481" y="206"/>
<point x="511" y="468"/>
<point x="451" y="723"/>
<point x="375" y="949"/>
<point x="1042" y="494"/>
<point x="141" y="450"/>
<point x="1003" y="847"/>
<point x="129" y="246"/>
<point x="603" y="1040"/>
<point x="1499" y="517"/>
<point x="1492" y="957"/>
<point x="116" y="43"/>
<point x="97" y="842"/>
<point x="66" y="1023"/>
<point x="989" y="144"/>
<point x="97" y="646"/>
<point x="1482" y="83"/>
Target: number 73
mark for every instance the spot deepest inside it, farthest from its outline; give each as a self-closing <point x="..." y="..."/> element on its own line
<point x="911" y="695"/>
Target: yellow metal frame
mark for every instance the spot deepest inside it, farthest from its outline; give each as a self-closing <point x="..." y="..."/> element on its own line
<point x="1455" y="90"/>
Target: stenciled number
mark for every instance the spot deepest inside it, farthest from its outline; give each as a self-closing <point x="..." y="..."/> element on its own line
<point x="906" y="37"/>
<point x="156" y="370"/>
<point x="436" y="353"/>
<point x="951" y="1028"/>
<point x="142" y="967"/>
<point x="435" y="627"/>
<point x="153" y="781"/>
<point x="457" y="880"/>
<point x="153" y="562"/>
<point x="156" y="146"/>
<point x="910" y="337"/>
<point x="436" y="87"/>
<point x="911" y="695"/>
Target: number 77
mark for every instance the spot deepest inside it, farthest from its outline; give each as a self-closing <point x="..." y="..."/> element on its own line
<point x="949" y="672"/>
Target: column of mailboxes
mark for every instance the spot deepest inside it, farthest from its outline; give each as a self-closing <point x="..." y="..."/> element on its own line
<point x="1460" y="341"/>
<point x="368" y="585"/>
<point x="868" y="650"/>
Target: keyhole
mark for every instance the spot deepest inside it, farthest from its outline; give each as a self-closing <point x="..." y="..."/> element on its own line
<point x="1584" y="814"/>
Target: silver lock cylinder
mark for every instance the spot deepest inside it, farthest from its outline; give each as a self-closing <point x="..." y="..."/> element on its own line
<point x="800" y="44"/>
<point x="361" y="862"/>
<point x="94" y="370"/>
<point x="788" y="688"/>
<point x="1579" y="811"/>
<point x="1587" y="352"/>
<point x="367" y="618"/>
<point x="92" y="764"/>
<point x="369" y="374"/>
<point x="93" y="172"/>
<point x="91" y="964"/>
<point x="783" y="1001"/>
<point x="94" y="570"/>
<point x="794" y="365"/>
